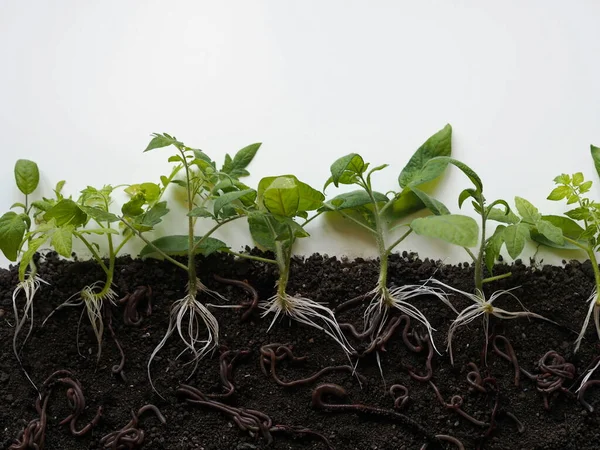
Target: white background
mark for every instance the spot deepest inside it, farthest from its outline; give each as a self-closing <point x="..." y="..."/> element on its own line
<point x="83" y="84"/>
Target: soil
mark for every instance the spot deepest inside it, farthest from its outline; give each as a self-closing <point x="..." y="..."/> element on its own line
<point x="558" y="293"/>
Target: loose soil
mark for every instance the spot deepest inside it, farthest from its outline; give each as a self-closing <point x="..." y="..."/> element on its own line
<point x="558" y="293"/>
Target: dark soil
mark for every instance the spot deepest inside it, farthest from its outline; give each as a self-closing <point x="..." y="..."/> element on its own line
<point x="558" y="293"/>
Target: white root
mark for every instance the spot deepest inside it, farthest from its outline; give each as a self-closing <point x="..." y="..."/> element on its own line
<point x="383" y="299"/>
<point x="593" y="308"/>
<point x="198" y="319"/>
<point x="93" y="302"/>
<point x="308" y="312"/>
<point x="485" y="308"/>
<point x="29" y="287"/>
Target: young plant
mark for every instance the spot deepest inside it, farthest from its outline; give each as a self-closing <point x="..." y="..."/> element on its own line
<point x="212" y="194"/>
<point x="513" y="235"/>
<point x="281" y="200"/>
<point x="370" y="210"/>
<point x="17" y="244"/>
<point x="587" y="237"/>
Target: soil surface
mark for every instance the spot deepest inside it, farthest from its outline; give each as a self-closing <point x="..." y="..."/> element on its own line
<point x="496" y="401"/>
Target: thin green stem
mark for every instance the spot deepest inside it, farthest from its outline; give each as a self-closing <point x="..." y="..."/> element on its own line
<point x="122" y="244"/>
<point x="496" y="278"/>
<point x="594" y="261"/>
<point x="211" y="231"/>
<point x="93" y="252"/>
<point x="154" y="247"/>
<point x="307" y="221"/>
<point x="111" y="269"/>
<point x="252" y="257"/>
<point x="404" y="236"/>
<point x="471" y="254"/>
<point x="358" y="222"/>
<point x="479" y="260"/>
<point x="577" y="244"/>
<point x="191" y="265"/>
<point x="283" y="262"/>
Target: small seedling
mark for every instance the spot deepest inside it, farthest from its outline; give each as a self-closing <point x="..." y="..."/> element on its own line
<point x="369" y="209"/>
<point x="17" y="243"/>
<point x="513" y="236"/>
<point x="210" y="193"/>
<point x="281" y="200"/>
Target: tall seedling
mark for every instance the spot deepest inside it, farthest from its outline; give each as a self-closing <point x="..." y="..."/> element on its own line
<point x="17" y="243"/>
<point x="281" y="201"/>
<point x="513" y="235"/>
<point x="212" y="194"/>
<point x="371" y="210"/>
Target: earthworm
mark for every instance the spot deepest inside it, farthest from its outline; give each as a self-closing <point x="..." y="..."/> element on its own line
<point x="510" y="355"/>
<point x="455" y="405"/>
<point x="131" y="315"/>
<point x="226" y="371"/>
<point x="117" y="368"/>
<point x="76" y="401"/>
<point x="272" y="353"/>
<point x="130" y="436"/>
<point x="581" y="394"/>
<point x="401" y="400"/>
<point x="339" y="392"/>
<point x="446" y="438"/>
<point x="251" y="305"/>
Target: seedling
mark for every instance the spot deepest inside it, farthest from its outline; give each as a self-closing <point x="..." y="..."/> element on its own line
<point x="281" y="200"/>
<point x="587" y="237"/>
<point x="18" y="243"/>
<point x="211" y="193"/>
<point x="513" y="236"/>
<point x="370" y="210"/>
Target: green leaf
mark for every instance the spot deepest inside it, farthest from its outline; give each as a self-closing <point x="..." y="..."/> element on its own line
<point x="435" y="206"/>
<point x="406" y="203"/>
<point x="154" y="215"/>
<point x="493" y="246"/>
<point x="346" y="169"/>
<point x="58" y="189"/>
<point x="261" y="230"/>
<point x="465" y="194"/>
<point x="66" y="212"/>
<point x="596" y="157"/>
<point x="551" y="232"/>
<point x="200" y="211"/>
<point x="499" y="215"/>
<point x="27" y="256"/>
<point x="419" y="170"/>
<point x="227" y="198"/>
<point x="585" y="187"/>
<point x="514" y="238"/>
<point x="453" y="228"/>
<point x="559" y="193"/>
<point x="99" y="231"/>
<point x="310" y="198"/>
<point x="162" y="140"/>
<point x="354" y="199"/>
<point x="27" y="176"/>
<point x="470" y="173"/>
<point x="572" y="199"/>
<point x="133" y="207"/>
<point x="177" y="245"/>
<point x="42" y="205"/>
<point x="12" y="230"/>
<point x="62" y="240"/>
<point x="579" y="213"/>
<point x="18" y="205"/>
<point x="149" y="191"/>
<point x="99" y="214"/>
<point x="282" y="197"/>
<point x="529" y="213"/>
<point x="236" y="167"/>
<point x="577" y="178"/>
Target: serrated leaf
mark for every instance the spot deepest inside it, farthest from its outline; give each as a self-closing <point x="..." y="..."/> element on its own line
<point x="563" y="179"/>
<point x="236" y="167"/>
<point x="493" y="247"/>
<point x="133" y="207"/>
<point x="345" y="169"/>
<point x="579" y="213"/>
<point x="62" y="240"/>
<point x="435" y="206"/>
<point x="596" y="157"/>
<point x="177" y="245"/>
<point x="499" y="215"/>
<point x="42" y="205"/>
<point x="12" y="230"/>
<point x="162" y="140"/>
<point x="154" y="215"/>
<point x="354" y="199"/>
<point x="572" y="199"/>
<point x="577" y="178"/>
<point x="27" y="176"/>
<point x="418" y="170"/>
<point x="99" y="214"/>
<point x="559" y="193"/>
<point x="453" y="228"/>
<point x="529" y="213"/>
<point x="514" y="238"/>
<point x="551" y="232"/>
<point x="66" y="212"/>
<point x="227" y="198"/>
<point x="200" y="211"/>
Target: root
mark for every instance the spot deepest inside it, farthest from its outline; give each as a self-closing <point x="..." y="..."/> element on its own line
<point x="595" y="309"/>
<point x="198" y="319"/>
<point x="308" y="312"/>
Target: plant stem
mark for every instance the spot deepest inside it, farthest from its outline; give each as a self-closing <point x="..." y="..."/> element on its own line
<point x="496" y="278"/>
<point x="111" y="269"/>
<point x="593" y="260"/>
<point x="252" y="257"/>
<point x="307" y="221"/>
<point x="93" y="252"/>
<point x="191" y="265"/>
<point x="283" y="262"/>
<point x="210" y="232"/>
<point x="479" y="259"/>
<point x="468" y="250"/>
<point x="391" y="247"/>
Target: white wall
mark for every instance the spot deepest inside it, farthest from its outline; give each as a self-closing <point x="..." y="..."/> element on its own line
<point x="83" y="84"/>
